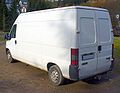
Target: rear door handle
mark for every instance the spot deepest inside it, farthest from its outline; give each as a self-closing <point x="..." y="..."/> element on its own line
<point x="15" y="41"/>
<point x="99" y="48"/>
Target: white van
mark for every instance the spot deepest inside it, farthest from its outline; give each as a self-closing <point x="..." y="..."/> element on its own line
<point x="70" y="42"/>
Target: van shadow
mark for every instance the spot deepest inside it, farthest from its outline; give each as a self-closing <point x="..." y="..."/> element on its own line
<point x="110" y="76"/>
<point x="95" y="81"/>
<point x="88" y="81"/>
<point x="67" y="81"/>
<point x="104" y="78"/>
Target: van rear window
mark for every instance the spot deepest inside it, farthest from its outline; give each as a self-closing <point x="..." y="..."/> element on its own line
<point x="87" y="34"/>
<point x="104" y="30"/>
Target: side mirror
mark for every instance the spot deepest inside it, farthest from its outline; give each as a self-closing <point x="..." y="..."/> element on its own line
<point x="7" y="36"/>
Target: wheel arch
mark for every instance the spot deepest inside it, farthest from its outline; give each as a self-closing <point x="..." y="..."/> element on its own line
<point x="7" y="50"/>
<point x="50" y="64"/>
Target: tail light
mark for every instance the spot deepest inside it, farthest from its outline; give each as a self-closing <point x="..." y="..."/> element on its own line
<point x="74" y="56"/>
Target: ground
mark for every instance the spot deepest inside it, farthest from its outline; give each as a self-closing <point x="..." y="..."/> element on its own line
<point x="22" y="78"/>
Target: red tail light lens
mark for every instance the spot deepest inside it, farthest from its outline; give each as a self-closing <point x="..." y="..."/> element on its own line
<point x="74" y="56"/>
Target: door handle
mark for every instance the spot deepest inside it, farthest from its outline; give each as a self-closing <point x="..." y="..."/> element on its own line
<point x="15" y="41"/>
<point x="99" y="48"/>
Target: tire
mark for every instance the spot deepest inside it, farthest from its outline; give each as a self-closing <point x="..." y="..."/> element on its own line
<point x="55" y="75"/>
<point x="9" y="57"/>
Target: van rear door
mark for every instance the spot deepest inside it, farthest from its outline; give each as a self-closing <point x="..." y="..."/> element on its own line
<point x="87" y="43"/>
<point x="104" y="41"/>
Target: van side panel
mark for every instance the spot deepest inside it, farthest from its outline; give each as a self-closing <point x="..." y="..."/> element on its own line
<point x="46" y="37"/>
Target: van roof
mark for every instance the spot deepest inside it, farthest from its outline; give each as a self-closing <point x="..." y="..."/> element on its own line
<point x="89" y="8"/>
<point x="83" y="7"/>
<point x="70" y="7"/>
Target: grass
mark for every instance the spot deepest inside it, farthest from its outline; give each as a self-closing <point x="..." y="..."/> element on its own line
<point x="117" y="47"/>
<point x="117" y="54"/>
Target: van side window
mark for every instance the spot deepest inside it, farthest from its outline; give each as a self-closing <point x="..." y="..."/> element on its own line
<point x="13" y="31"/>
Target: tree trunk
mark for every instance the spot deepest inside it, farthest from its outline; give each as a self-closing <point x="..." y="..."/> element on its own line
<point x="3" y="21"/>
<point x="3" y="14"/>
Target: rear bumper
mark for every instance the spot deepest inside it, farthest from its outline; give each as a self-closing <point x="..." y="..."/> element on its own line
<point x="73" y="72"/>
<point x="112" y="65"/>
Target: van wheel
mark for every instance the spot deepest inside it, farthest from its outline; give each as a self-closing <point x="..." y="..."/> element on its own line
<point x="55" y="75"/>
<point x="9" y="57"/>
